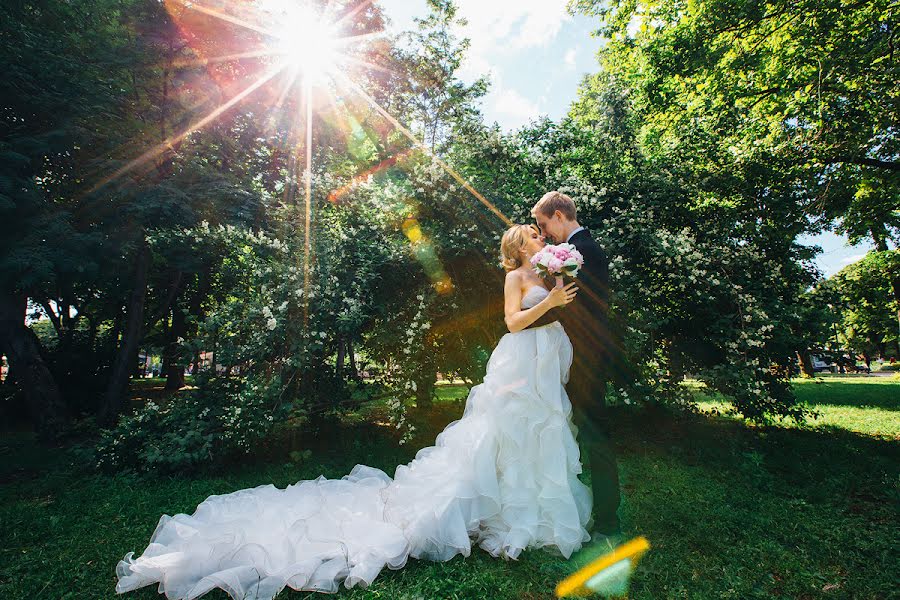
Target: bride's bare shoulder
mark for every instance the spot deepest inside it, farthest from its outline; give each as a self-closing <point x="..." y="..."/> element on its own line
<point x="513" y="283"/>
<point x="514" y="275"/>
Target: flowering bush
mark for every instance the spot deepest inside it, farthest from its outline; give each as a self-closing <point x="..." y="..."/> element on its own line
<point x="224" y="416"/>
<point x="701" y="283"/>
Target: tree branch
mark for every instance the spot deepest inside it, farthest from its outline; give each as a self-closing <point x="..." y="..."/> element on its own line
<point x="53" y="317"/>
<point x="869" y="162"/>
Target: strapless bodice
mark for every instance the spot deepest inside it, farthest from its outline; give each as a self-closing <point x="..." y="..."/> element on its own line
<point x="533" y="296"/>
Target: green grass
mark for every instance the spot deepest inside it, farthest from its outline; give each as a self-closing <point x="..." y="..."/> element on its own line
<point x="862" y="404"/>
<point x="731" y="511"/>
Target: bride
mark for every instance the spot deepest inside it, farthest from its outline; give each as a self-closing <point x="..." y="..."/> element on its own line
<point x="503" y="476"/>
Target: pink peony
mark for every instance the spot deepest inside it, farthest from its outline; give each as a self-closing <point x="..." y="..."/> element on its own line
<point x="555" y="265"/>
<point x="562" y="259"/>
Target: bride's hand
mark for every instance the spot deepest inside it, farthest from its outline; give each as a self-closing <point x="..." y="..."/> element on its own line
<point x="561" y="295"/>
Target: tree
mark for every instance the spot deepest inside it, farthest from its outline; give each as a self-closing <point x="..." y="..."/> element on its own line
<point x="438" y="102"/>
<point x="55" y="84"/>
<point x="869" y="319"/>
<point x="793" y="104"/>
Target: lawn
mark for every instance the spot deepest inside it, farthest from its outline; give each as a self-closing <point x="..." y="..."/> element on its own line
<point x="732" y="511"/>
<point x="858" y="403"/>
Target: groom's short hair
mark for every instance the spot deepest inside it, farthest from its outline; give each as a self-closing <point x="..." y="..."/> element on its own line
<point x="555" y="201"/>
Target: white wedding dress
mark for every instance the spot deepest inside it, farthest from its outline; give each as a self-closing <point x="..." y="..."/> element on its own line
<point x="503" y="477"/>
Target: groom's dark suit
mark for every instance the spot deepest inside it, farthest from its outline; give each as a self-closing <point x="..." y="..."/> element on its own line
<point x="586" y="320"/>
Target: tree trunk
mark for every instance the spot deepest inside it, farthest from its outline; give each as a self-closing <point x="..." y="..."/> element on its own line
<point x="116" y="329"/>
<point x="117" y="389"/>
<point x="166" y="336"/>
<point x="354" y="372"/>
<point x="425" y="389"/>
<point x="676" y="362"/>
<point x="92" y="332"/>
<point x="339" y="367"/>
<point x="196" y="311"/>
<point x="44" y="402"/>
<point x="806" y="366"/>
<point x="174" y="366"/>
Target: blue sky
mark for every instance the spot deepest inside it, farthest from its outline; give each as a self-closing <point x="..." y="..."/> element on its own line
<point x="536" y="55"/>
<point x="534" y="52"/>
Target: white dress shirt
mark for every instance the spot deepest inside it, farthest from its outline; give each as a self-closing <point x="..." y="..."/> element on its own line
<point x="573" y="233"/>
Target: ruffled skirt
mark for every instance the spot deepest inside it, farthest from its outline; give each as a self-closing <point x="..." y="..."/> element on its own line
<point x="502" y="477"/>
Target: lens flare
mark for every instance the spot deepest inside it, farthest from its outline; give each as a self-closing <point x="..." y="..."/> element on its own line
<point x="285" y="53"/>
<point x="304" y="41"/>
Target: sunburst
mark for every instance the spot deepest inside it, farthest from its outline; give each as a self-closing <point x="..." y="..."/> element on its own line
<point x="315" y="50"/>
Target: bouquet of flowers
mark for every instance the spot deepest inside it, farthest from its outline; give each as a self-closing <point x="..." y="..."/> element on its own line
<point x="557" y="261"/>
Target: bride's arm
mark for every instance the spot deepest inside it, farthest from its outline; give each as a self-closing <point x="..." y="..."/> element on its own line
<point x="518" y="319"/>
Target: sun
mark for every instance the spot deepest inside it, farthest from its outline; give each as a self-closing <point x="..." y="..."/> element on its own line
<point x="315" y="43"/>
<point x="304" y="40"/>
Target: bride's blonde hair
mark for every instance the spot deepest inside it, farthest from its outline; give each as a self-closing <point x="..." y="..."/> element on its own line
<point x="511" y="245"/>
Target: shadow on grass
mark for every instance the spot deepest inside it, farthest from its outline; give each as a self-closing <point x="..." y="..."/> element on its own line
<point x="803" y="458"/>
<point x="731" y="510"/>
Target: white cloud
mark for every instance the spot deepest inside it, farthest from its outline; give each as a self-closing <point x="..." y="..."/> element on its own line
<point x="503" y="27"/>
<point x="500" y="32"/>
<point x="513" y="108"/>
<point x="525" y="23"/>
<point x="503" y="34"/>
<point x="852" y="259"/>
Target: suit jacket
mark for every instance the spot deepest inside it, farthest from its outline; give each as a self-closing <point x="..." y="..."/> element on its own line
<point x="586" y="318"/>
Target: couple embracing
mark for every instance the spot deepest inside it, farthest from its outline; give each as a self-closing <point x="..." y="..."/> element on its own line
<point x="503" y="477"/>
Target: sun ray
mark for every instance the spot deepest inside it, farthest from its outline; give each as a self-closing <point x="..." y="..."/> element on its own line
<point x="326" y="10"/>
<point x="424" y="147"/>
<point x="167" y="143"/>
<point x="289" y="83"/>
<point x="223" y="16"/>
<point x="305" y="45"/>
<point x="352" y="12"/>
<point x="362" y="37"/>
<point x="367" y="64"/>
<point x="202" y="62"/>
<point x="308" y="194"/>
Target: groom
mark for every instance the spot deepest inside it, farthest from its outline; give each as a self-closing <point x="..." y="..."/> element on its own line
<point x="595" y="350"/>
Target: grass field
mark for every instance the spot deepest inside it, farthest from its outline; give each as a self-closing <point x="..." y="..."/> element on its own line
<point x="867" y="405"/>
<point x="732" y="511"/>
